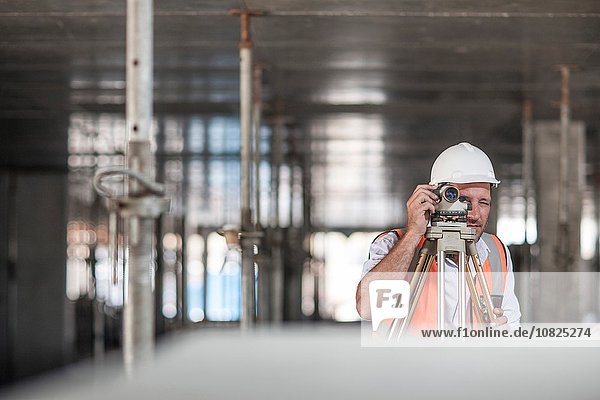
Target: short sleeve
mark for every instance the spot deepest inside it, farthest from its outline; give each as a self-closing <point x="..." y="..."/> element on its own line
<point x="378" y="250"/>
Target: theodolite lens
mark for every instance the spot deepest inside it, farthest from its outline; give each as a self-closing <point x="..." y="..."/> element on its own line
<point x="451" y="194"/>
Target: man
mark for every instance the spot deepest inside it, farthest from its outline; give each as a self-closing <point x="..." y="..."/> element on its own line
<point x="470" y="170"/>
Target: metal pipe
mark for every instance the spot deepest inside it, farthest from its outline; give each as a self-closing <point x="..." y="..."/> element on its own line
<point x="292" y="177"/>
<point x="527" y="172"/>
<point x="277" y="278"/>
<point x="138" y="321"/>
<point x="441" y="286"/>
<point x="248" y="277"/>
<point x="565" y="115"/>
<point x="462" y="292"/>
<point x="276" y="156"/>
<point x="307" y="189"/>
<point x="247" y="241"/>
<point x="257" y="110"/>
<point x="563" y="193"/>
<point x="246" y="133"/>
<point x="262" y="288"/>
<point x="503" y="14"/>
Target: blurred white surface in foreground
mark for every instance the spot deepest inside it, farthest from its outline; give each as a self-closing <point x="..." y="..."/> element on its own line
<point x="307" y="362"/>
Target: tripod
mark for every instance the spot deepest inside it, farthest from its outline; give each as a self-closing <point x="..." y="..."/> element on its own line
<point x="442" y="239"/>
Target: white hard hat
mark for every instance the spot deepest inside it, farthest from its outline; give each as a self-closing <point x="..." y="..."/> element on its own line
<point x="462" y="163"/>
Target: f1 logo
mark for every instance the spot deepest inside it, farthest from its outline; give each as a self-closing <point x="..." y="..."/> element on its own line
<point x="388" y="299"/>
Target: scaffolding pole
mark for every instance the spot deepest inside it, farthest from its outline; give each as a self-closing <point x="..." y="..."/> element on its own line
<point x="262" y="284"/>
<point x="277" y="276"/>
<point x="248" y="233"/>
<point x="563" y="193"/>
<point x="527" y="164"/>
<point x="138" y="322"/>
<point x="257" y="111"/>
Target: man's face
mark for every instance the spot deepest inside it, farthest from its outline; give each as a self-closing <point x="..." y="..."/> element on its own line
<point x="479" y="194"/>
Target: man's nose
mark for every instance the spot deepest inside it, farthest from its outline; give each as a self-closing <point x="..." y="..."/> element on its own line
<point x="473" y="214"/>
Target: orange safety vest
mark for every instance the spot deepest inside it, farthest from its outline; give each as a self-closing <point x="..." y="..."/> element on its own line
<point x="494" y="268"/>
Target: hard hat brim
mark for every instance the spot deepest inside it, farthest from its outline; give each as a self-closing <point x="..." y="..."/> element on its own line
<point x="469" y="179"/>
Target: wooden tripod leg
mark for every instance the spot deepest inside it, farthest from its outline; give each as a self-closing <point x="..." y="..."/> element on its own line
<point x="474" y="294"/>
<point x="414" y="281"/>
<point x="426" y="261"/>
<point x="427" y="250"/>
<point x="487" y="298"/>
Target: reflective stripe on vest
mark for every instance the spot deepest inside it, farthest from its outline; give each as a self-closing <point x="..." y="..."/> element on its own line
<point x="495" y="269"/>
<point x="497" y="259"/>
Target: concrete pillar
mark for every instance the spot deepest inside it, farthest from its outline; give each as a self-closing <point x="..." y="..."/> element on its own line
<point x="547" y="154"/>
<point x="5" y="216"/>
<point x="32" y="282"/>
<point x="36" y="333"/>
<point x="559" y="244"/>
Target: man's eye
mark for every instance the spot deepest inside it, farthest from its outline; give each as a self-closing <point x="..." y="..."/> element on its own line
<point x="484" y="203"/>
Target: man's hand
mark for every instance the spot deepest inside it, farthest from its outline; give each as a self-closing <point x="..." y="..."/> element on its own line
<point x="420" y="206"/>
<point x="500" y="318"/>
